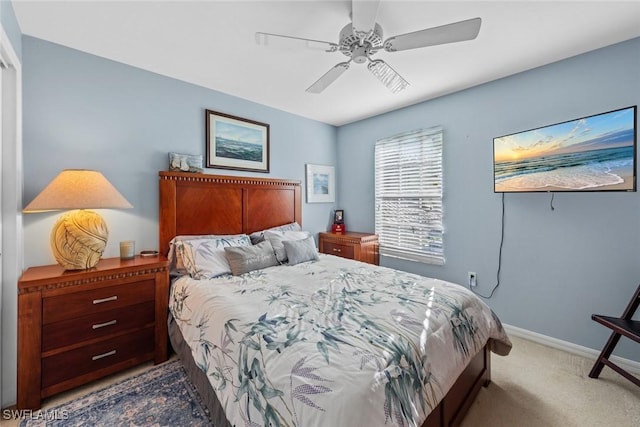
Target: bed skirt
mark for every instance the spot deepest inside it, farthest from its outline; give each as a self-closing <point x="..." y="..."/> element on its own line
<point x="197" y="377"/>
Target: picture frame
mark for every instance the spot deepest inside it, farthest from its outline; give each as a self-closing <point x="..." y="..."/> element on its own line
<point x="338" y="216"/>
<point x="236" y="143"/>
<point x="320" y="184"/>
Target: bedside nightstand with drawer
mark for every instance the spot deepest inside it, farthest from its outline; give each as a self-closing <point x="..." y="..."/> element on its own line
<point x="78" y="326"/>
<point x="350" y="244"/>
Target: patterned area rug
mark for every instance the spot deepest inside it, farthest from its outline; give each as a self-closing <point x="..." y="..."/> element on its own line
<point x="161" y="396"/>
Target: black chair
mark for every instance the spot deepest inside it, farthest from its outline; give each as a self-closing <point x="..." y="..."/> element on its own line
<point x="621" y="326"/>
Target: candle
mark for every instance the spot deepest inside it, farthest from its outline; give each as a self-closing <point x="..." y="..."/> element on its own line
<point x="127" y="249"/>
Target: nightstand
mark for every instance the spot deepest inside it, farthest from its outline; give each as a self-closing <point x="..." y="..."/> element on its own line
<point x="81" y="325"/>
<point x="350" y="244"/>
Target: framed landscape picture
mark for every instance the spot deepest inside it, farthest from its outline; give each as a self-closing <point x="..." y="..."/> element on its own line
<point x="320" y="184"/>
<point x="236" y="143"/>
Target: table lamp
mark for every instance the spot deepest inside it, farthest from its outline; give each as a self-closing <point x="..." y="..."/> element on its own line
<point x="78" y="237"/>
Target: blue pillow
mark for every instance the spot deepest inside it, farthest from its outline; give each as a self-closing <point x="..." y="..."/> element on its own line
<point x="301" y="250"/>
<point x="243" y="259"/>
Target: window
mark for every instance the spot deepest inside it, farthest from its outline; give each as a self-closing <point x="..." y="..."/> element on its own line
<point x="408" y="182"/>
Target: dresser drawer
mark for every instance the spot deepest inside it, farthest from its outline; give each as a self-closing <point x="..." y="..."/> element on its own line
<point x="344" y="251"/>
<point x="77" y="304"/>
<point x="97" y="325"/>
<point x="80" y="361"/>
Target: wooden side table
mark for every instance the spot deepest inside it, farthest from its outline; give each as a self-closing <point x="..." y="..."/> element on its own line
<point x="78" y="326"/>
<point x="350" y="244"/>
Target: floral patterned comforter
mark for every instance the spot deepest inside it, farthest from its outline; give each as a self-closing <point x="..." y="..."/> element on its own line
<point x="331" y="343"/>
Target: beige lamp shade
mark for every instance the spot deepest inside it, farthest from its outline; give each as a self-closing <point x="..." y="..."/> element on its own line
<point x="78" y="237"/>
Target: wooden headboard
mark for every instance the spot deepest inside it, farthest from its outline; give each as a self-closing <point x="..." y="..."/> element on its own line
<point x="194" y="203"/>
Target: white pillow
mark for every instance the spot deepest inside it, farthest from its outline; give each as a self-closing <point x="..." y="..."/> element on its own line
<point x="205" y="258"/>
<point x="276" y="238"/>
<point x="175" y="261"/>
<point x="258" y="236"/>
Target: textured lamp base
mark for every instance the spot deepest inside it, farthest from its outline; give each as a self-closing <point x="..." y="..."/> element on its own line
<point x="78" y="239"/>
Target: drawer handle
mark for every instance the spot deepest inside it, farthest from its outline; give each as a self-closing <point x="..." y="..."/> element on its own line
<point x="102" y="325"/>
<point x="337" y="250"/>
<point x="100" y="301"/>
<point x="107" y="354"/>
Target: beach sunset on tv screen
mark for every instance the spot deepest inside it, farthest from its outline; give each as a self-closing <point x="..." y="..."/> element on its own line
<point x="595" y="153"/>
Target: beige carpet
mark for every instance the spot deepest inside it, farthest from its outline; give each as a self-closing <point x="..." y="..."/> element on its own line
<point x="537" y="386"/>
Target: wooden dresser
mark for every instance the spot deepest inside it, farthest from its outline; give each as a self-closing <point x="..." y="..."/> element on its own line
<point x="78" y="326"/>
<point x="350" y="244"/>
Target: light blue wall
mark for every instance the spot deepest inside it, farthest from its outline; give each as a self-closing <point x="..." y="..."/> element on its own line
<point x="559" y="266"/>
<point x="82" y="111"/>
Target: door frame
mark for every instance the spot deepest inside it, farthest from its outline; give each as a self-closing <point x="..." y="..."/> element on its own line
<point x="11" y="233"/>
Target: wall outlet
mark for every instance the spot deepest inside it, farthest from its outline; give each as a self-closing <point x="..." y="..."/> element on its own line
<point x="472" y="279"/>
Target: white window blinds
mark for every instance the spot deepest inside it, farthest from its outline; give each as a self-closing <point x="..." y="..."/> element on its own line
<point x="408" y="194"/>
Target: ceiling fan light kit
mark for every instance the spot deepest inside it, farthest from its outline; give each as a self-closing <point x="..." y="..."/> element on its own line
<point x="387" y="75"/>
<point x="362" y="38"/>
<point x="359" y="47"/>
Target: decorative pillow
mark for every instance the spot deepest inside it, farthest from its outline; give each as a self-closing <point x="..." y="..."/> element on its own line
<point x="301" y="250"/>
<point x="248" y="258"/>
<point x="277" y="237"/>
<point x="175" y="261"/>
<point x="204" y="258"/>
<point x="258" y="236"/>
<point x="176" y="266"/>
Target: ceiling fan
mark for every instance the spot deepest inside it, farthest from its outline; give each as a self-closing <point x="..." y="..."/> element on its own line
<point x="362" y="38"/>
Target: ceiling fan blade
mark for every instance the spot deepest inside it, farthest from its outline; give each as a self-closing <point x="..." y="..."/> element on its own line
<point x="387" y="75"/>
<point x="277" y="40"/>
<point x="363" y="15"/>
<point x="450" y="33"/>
<point x="329" y="77"/>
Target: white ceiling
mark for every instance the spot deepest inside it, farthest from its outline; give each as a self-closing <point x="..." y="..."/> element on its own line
<point x="211" y="44"/>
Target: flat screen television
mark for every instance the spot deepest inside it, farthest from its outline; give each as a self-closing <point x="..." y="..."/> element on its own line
<point x="593" y="153"/>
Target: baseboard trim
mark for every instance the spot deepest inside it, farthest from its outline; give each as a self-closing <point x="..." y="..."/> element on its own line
<point x="578" y="350"/>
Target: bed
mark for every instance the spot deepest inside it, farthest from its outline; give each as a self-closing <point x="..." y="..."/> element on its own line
<point x="323" y="342"/>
